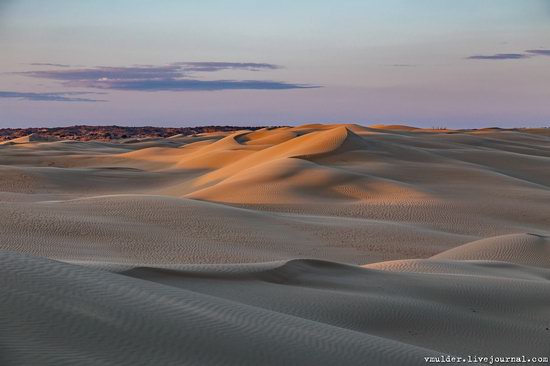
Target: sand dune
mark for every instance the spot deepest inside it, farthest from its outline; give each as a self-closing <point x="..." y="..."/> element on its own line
<point x="527" y="249"/>
<point x="361" y="194"/>
<point x="394" y="127"/>
<point x="229" y="248"/>
<point x="128" y="321"/>
<point x="301" y="312"/>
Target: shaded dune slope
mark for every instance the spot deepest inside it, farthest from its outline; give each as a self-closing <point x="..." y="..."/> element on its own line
<point x="299" y="312"/>
<point x="527" y="249"/>
<point x="158" y="229"/>
<point x="103" y="318"/>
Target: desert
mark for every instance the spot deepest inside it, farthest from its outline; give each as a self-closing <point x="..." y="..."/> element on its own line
<point x="274" y="183"/>
<point x="309" y="245"/>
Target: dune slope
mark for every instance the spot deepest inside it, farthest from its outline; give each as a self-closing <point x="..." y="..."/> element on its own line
<point x="304" y="312"/>
<point x="343" y="192"/>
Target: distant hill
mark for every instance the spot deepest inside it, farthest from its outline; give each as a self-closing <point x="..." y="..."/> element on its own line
<point x="107" y="133"/>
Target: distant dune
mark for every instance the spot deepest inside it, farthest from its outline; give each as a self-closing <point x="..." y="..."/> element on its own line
<point x="308" y="245"/>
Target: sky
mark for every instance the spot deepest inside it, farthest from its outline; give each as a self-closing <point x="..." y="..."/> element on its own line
<point x="427" y="63"/>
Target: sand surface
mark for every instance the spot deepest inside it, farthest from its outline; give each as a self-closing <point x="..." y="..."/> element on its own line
<point x="310" y="245"/>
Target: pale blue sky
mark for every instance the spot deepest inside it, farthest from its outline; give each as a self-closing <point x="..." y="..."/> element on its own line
<point x="393" y="61"/>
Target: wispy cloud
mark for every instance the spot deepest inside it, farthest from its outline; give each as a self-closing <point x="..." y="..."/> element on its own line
<point x="185" y="84"/>
<point x="173" y="77"/>
<point x="218" y="66"/>
<point x="511" y="56"/>
<point x="48" y="64"/>
<point x="99" y="73"/>
<point x="49" y="97"/>
<point x="500" y="56"/>
<point x="539" y="52"/>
